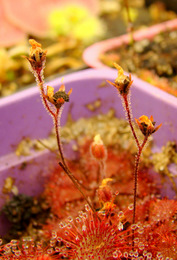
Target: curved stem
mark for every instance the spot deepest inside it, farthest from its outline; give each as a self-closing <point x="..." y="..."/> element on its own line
<point x="76" y="184"/>
<point x="39" y="78"/>
<point x="63" y="163"/>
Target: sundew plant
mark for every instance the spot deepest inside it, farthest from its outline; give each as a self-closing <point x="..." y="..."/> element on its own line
<point x="145" y="231"/>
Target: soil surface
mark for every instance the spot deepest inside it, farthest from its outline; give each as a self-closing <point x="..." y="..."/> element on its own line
<point x="153" y="61"/>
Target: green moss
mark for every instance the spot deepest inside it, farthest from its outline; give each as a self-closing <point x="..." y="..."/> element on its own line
<point x="75" y="22"/>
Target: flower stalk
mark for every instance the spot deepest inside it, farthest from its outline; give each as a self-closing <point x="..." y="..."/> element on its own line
<point x="53" y="103"/>
<point x="123" y="83"/>
<point x="146" y="125"/>
<point x="130" y="23"/>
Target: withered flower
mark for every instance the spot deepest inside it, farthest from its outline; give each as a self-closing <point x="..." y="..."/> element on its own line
<point x="105" y="194"/>
<point x="58" y="98"/>
<point x="147" y="125"/>
<point x="37" y="56"/>
<point x="122" y="82"/>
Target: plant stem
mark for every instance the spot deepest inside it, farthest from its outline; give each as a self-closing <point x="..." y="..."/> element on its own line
<point x="102" y="172"/>
<point x="56" y="124"/>
<point x="76" y="184"/>
<point x="136" y="182"/>
<point x="130" y="24"/>
<point x="128" y="111"/>
<point x="39" y="78"/>
<point x="63" y="163"/>
<point x="137" y="162"/>
<point x="136" y="176"/>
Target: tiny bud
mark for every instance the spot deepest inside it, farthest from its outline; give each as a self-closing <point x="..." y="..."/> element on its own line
<point x="98" y="149"/>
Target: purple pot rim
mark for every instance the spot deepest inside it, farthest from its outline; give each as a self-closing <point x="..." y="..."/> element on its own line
<point x="95" y="74"/>
<point x="33" y="90"/>
<point x="92" y="53"/>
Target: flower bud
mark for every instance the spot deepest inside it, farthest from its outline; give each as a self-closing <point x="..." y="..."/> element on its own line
<point x="98" y="149"/>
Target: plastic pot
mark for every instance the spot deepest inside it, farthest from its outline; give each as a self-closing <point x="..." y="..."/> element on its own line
<point x="23" y="115"/>
<point x="92" y="54"/>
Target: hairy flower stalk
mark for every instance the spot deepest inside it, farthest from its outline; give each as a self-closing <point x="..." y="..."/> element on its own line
<point x="123" y="83"/>
<point x="53" y="103"/>
<point x="146" y="125"/>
